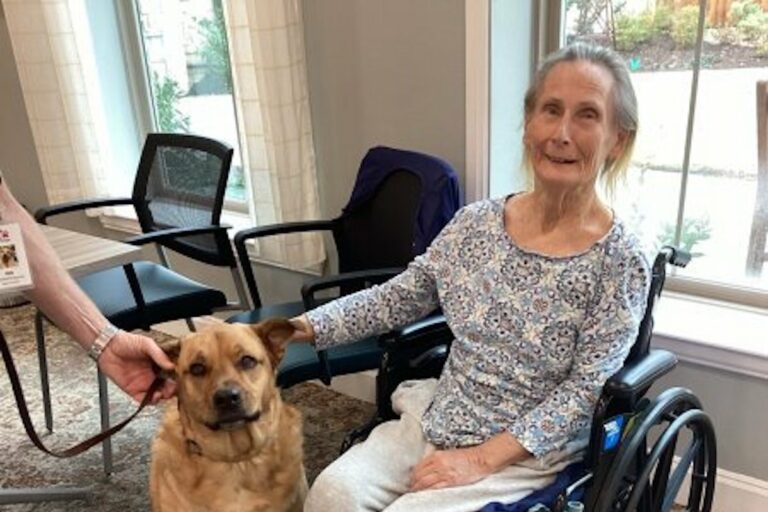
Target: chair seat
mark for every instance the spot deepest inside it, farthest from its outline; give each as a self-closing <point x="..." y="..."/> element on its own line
<point x="167" y="294"/>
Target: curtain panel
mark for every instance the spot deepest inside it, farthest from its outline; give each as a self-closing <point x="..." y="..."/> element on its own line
<point x="272" y="100"/>
<point x="54" y="56"/>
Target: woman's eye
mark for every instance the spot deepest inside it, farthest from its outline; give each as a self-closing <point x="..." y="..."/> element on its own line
<point x="197" y="369"/>
<point x="247" y="362"/>
<point x="589" y="114"/>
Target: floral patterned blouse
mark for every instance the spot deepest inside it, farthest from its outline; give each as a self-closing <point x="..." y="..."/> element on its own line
<point x="536" y="336"/>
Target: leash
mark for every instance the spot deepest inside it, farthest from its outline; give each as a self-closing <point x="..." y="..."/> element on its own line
<point x="21" y="403"/>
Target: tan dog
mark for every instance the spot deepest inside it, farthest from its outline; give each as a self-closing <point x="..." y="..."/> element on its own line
<point x="231" y="445"/>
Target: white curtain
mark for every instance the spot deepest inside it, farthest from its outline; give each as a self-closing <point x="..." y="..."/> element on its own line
<point x="272" y="99"/>
<point x="54" y="57"/>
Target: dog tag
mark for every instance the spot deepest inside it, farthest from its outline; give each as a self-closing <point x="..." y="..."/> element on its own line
<point x="14" y="265"/>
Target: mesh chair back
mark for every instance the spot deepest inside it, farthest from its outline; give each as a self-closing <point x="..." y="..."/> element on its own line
<point x="380" y="232"/>
<point x="180" y="183"/>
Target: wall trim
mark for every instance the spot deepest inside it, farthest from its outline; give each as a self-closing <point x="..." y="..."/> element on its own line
<point x="733" y="491"/>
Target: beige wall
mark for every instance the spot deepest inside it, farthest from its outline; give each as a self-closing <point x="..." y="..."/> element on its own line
<point x="386" y="72"/>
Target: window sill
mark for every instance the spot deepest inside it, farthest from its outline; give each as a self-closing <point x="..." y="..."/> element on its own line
<point x="123" y="219"/>
<point x="713" y="334"/>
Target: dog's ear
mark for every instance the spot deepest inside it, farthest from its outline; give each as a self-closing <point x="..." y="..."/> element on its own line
<point x="172" y="348"/>
<point x="275" y="333"/>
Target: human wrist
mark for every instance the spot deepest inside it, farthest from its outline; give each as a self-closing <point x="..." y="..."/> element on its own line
<point x="103" y="339"/>
<point x="502" y="450"/>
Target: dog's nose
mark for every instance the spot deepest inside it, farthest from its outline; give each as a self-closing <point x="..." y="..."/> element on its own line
<point x="227" y="399"/>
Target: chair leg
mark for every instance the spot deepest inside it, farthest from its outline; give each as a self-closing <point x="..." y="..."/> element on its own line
<point x="43" y="363"/>
<point x="106" y="445"/>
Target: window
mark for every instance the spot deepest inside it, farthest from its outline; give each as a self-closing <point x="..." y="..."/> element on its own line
<point x="183" y="49"/>
<point x="694" y="180"/>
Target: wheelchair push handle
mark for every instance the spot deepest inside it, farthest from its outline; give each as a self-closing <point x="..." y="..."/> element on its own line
<point x="673" y="256"/>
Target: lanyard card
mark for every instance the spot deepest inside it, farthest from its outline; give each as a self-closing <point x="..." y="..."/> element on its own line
<point x="14" y="266"/>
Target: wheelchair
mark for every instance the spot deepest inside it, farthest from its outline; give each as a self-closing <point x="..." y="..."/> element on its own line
<point x="629" y="464"/>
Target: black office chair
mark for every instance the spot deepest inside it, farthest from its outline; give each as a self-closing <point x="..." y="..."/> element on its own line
<point x="400" y="201"/>
<point x="178" y="195"/>
<point x="628" y="464"/>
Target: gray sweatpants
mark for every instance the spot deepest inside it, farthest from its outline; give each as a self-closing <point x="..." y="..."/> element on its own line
<point x="373" y="476"/>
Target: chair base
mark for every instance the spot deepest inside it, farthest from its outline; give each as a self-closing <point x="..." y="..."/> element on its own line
<point x="33" y="495"/>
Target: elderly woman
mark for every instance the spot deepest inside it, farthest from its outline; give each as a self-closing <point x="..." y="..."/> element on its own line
<point x="544" y="291"/>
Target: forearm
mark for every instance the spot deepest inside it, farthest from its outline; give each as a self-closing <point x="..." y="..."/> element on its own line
<point x="500" y="451"/>
<point x="403" y="299"/>
<point x="54" y="291"/>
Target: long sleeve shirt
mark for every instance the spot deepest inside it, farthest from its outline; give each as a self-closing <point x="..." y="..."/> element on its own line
<point x="537" y="336"/>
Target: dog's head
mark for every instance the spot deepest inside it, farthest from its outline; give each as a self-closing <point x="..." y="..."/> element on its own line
<point x="228" y="399"/>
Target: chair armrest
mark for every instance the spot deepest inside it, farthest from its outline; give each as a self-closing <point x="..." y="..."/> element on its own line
<point x="174" y="233"/>
<point x="42" y="214"/>
<point x="282" y="229"/>
<point x="273" y="229"/>
<point x="637" y="376"/>
<point x="360" y="278"/>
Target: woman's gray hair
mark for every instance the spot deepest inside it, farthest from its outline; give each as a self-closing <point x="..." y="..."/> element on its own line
<point x="625" y="101"/>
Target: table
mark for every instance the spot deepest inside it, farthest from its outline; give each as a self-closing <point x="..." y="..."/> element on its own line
<point x="81" y="254"/>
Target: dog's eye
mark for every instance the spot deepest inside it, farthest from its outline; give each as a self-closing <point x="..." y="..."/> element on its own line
<point x="197" y="369"/>
<point x="247" y="362"/>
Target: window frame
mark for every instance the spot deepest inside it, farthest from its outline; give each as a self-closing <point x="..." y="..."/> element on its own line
<point x="548" y="36"/>
<point x="141" y="90"/>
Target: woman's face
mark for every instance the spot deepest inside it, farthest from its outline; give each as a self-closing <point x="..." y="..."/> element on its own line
<point x="572" y="128"/>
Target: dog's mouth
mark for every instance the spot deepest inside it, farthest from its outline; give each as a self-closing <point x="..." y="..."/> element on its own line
<point x="233" y="422"/>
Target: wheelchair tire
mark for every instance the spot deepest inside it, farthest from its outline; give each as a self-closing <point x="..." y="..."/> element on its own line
<point x="642" y="479"/>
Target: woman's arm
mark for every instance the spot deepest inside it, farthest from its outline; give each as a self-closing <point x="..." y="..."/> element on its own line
<point x="127" y="359"/>
<point x="405" y="298"/>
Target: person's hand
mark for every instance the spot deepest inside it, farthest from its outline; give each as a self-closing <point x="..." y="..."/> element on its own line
<point x="304" y="330"/>
<point x="449" y="468"/>
<point x="127" y="361"/>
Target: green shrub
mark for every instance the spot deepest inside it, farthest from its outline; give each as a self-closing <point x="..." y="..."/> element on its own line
<point x="751" y="22"/>
<point x="169" y="117"/>
<point x="685" y="24"/>
<point x="633" y="30"/>
<point x="214" y="50"/>
<point x="742" y="9"/>
<point x="695" y="230"/>
<point x="662" y="20"/>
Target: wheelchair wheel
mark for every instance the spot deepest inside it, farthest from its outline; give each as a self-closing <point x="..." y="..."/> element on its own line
<point x="643" y="479"/>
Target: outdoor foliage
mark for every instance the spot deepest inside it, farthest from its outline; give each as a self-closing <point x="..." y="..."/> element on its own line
<point x="685" y="24"/>
<point x="695" y="230"/>
<point x="214" y="51"/>
<point x="167" y="93"/>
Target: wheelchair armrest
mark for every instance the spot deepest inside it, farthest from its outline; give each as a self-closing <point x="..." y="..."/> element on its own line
<point x="174" y="233"/>
<point x="637" y="376"/>
<point x="42" y="214"/>
<point x="359" y="278"/>
<point x="428" y="328"/>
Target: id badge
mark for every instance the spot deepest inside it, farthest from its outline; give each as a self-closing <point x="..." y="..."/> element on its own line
<point x="14" y="265"/>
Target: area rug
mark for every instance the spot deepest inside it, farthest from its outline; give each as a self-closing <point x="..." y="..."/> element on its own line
<point x="328" y="416"/>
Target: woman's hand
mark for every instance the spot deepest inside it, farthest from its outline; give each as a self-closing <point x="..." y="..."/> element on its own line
<point x="128" y="362"/>
<point x="304" y="330"/>
<point x="463" y="466"/>
<point x="450" y="468"/>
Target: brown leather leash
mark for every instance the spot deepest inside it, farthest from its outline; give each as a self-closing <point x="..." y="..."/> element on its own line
<point x="21" y="403"/>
